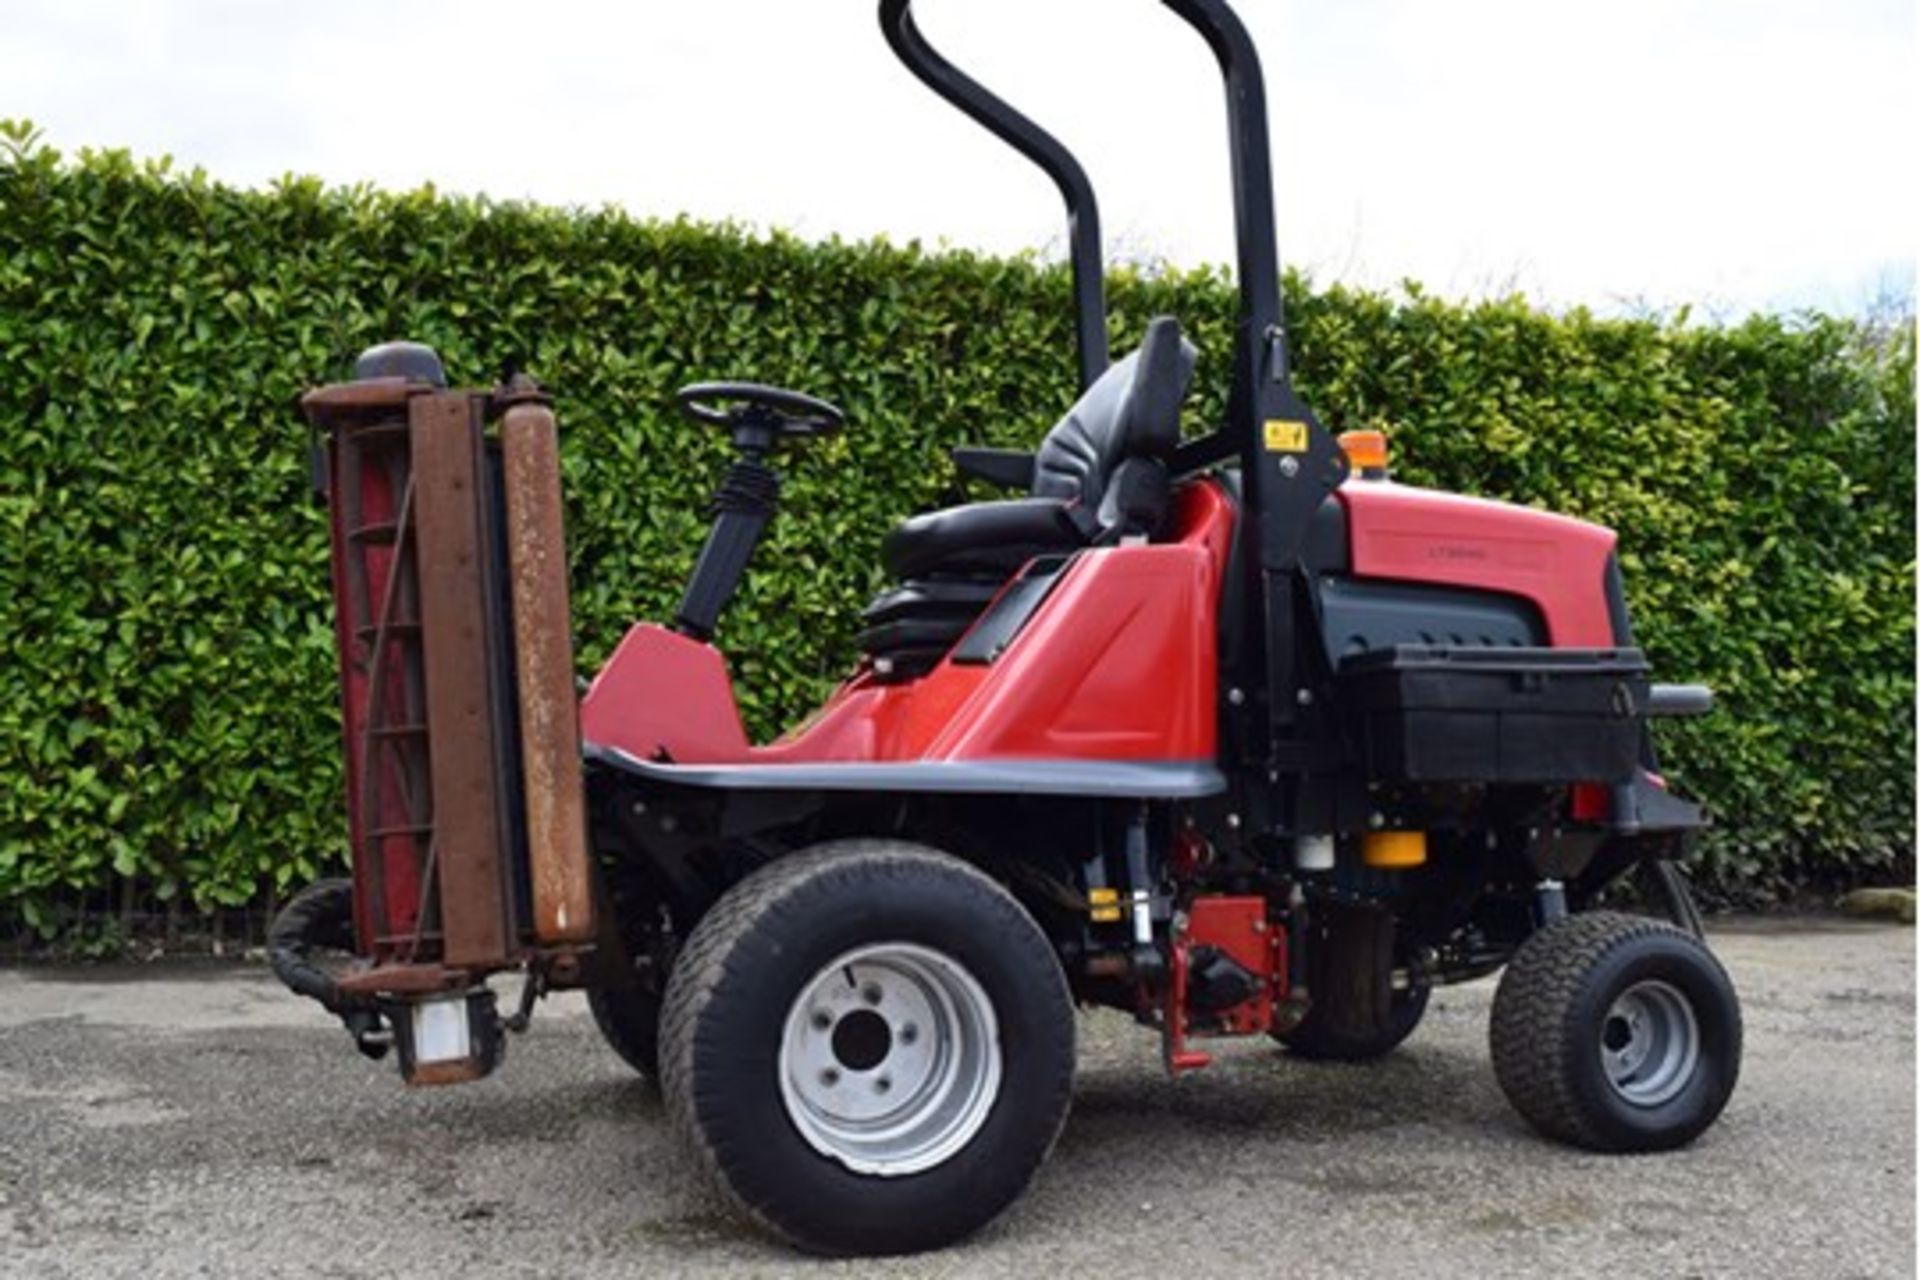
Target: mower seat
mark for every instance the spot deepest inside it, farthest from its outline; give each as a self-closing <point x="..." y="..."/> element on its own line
<point x="1100" y="475"/>
<point x="989" y="537"/>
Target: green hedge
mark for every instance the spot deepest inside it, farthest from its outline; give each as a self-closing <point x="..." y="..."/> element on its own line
<point x="166" y="673"/>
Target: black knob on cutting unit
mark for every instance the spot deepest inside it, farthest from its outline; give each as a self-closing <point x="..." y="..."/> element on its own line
<point x="414" y="361"/>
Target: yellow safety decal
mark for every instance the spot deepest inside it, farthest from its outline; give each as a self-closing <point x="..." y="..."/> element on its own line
<point x="1285" y="435"/>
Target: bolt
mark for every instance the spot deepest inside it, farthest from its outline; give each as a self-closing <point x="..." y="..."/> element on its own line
<point x="1376" y="820"/>
<point x="639" y="808"/>
<point x="1236" y="697"/>
<point x="1289" y="467"/>
<point x="1304" y="697"/>
<point x="909" y="1033"/>
<point x="822" y="1019"/>
<point x="870" y="993"/>
<point x="829" y="1077"/>
<point x="1233" y="821"/>
<point x="882" y="1085"/>
<point x="668" y="822"/>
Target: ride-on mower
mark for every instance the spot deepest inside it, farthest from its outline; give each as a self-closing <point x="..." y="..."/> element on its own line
<point x="1233" y="734"/>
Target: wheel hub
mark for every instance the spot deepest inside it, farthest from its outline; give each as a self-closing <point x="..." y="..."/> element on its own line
<point x="890" y="1059"/>
<point x="1650" y="1043"/>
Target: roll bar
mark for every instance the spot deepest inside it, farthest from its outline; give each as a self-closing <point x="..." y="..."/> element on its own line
<point x="1289" y="463"/>
<point x="1249" y="157"/>
<point x="1037" y="145"/>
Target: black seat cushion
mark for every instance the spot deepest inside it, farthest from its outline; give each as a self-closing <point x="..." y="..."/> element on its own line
<point x="1130" y="413"/>
<point x="981" y="536"/>
<point x="1137" y="497"/>
<point x="1100" y="474"/>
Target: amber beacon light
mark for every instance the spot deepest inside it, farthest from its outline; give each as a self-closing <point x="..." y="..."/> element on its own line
<point x="1367" y="452"/>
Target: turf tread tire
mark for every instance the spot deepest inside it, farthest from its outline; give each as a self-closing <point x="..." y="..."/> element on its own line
<point x="711" y="958"/>
<point x="1537" y="1030"/>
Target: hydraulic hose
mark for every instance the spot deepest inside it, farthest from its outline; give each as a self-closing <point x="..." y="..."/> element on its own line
<point x="1670" y="884"/>
<point x="320" y="917"/>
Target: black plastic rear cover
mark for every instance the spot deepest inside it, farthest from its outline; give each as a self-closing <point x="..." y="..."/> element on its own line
<point x="1428" y="713"/>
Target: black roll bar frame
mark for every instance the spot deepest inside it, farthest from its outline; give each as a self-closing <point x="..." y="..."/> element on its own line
<point x="1037" y="145"/>
<point x="1289" y="462"/>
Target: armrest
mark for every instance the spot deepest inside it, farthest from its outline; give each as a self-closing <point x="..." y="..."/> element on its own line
<point x="1008" y="468"/>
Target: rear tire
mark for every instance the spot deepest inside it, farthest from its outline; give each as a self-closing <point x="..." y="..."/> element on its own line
<point x="898" y="1111"/>
<point x="1352" y="1016"/>
<point x="1616" y="1033"/>
<point x="1314" y="1038"/>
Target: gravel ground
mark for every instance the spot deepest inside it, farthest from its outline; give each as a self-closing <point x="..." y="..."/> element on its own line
<point x="174" y="1121"/>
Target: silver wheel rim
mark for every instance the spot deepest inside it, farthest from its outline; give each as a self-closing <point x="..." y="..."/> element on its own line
<point x="890" y="1059"/>
<point x="1650" y="1043"/>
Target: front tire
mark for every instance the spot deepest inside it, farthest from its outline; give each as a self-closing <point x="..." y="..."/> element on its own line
<point x="869" y="1046"/>
<point x="1616" y="1033"/>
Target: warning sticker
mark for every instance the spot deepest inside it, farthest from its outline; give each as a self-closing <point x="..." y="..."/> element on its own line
<point x="1285" y="435"/>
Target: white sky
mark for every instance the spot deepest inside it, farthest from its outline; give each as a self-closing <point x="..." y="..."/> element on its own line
<point x="1732" y="154"/>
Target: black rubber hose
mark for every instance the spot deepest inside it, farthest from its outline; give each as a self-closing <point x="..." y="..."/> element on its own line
<point x="319" y="917"/>
<point x="1670" y="883"/>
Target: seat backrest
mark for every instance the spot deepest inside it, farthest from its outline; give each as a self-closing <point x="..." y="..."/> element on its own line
<point x="1131" y="411"/>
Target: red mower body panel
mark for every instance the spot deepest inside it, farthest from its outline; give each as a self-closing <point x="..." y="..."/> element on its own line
<point x="665" y="695"/>
<point x="1420" y="535"/>
<point x="1118" y="663"/>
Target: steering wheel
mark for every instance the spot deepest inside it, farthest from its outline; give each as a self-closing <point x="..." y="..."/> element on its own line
<point x="773" y="414"/>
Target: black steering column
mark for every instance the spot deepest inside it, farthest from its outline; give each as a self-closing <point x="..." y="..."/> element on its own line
<point x="760" y="419"/>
